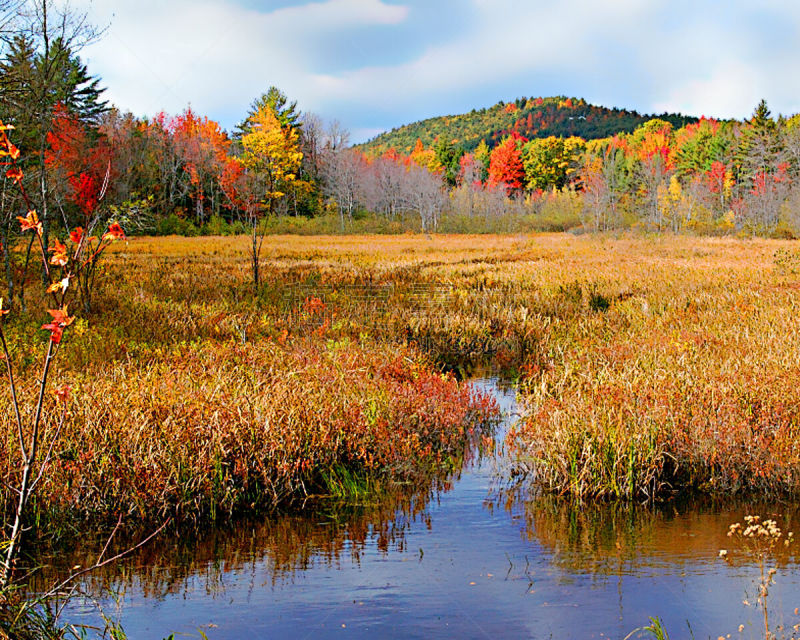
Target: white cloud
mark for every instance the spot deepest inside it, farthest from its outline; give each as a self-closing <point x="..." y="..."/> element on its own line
<point x="508" y="39"/>
<point x="652" y="55"/>
<point x="338" y="13"/>
<point x="217" y="55"/>
<point x="718" y="94"/>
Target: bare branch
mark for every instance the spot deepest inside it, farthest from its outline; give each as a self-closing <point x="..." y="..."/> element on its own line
<point x="55" y="590"/>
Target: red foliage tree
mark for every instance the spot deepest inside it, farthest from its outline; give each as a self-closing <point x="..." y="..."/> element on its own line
<point x="82" y="159"/>
<point x="203" y="147"/>
<point x="505" y="166"/>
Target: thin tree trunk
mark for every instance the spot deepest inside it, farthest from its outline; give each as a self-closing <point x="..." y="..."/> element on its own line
<point x="254" y="252"/>
<point x="29" y="457"/>
<point x="7" y="263"/>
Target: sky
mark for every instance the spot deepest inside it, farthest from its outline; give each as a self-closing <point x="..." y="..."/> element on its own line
<point x="378" y="64"/>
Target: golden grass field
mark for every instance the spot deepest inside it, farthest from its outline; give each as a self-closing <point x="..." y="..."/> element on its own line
<point x="648" y="365"/>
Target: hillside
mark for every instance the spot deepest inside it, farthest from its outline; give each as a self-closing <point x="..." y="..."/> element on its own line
<point x="529" y="117"/>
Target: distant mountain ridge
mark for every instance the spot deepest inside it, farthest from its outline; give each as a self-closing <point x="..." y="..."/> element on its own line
<point x="529" y="117"/>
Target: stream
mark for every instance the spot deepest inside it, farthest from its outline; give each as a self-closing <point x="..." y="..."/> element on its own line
<point x="468" y="558"/>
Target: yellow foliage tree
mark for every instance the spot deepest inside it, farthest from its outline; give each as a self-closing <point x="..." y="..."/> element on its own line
<point x="425" y="158"/>
<point x="270" y="161"/>
<point x="271" y="151"/>
<point x="551" y="162"/>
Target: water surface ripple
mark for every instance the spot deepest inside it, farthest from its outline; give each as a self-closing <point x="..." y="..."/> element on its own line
<point x="468" y="559"/>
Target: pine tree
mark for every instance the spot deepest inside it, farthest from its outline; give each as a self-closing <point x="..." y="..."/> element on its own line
<point x="448" y="156"/>
<point x="17" y="75"/>
<point x="760" y="149"/>
<point x="277" y="102"/>
<point x="73" y="87"/>
<point x="32" y="83"/>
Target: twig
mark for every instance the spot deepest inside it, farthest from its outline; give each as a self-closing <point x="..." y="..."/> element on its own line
<point x="103" y="563"/>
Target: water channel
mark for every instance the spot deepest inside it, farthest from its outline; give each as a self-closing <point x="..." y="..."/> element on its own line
<point x="469" y="558"/>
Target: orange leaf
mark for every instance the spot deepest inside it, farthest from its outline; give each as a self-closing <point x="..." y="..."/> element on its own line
<point x="61" y="284"/>
<point x="114" y="232"/>
<point x="15" y="174"/>
<point x="61" y="316"/>
<point x="59" y="252"/>
<point x="31" y="221"/>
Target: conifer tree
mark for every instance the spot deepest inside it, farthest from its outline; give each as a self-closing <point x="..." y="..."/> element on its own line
<point x="275" y="101"/>
<point x="760" y="149"/>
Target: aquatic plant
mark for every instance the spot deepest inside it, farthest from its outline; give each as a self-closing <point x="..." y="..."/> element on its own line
<point x="759" y="538"/>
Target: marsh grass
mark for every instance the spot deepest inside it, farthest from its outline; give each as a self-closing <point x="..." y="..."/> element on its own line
<point x="648" y="366"/>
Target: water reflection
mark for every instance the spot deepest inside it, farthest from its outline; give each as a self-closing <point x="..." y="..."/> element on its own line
<point x="465" y="557"/>
<point x="620" y="537"/>
<point x="325" y="535"/>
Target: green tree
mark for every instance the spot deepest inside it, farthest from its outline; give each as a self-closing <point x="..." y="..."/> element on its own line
<point x="551" y="162"/>
<point x="760" y="149"/>
<point x="275" y="101"/>
<point x="698" y="146"/>
<point x="483" y="156"/>
<point x="448" y="156"/>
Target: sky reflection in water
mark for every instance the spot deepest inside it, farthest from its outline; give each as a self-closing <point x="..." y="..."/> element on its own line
<point x="468" y="559"/>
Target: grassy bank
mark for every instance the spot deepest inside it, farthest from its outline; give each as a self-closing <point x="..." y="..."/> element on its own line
<point x="648" y="366"/>
<point x="207" y="429"/>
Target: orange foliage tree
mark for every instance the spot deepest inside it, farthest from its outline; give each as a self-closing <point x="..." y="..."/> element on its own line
<point x="505" y="166"/>
<point x="203" y="147"/>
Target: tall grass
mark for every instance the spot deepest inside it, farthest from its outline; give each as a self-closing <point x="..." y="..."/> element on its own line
<point x="648" y="366"/>
<point x="205" y="430"/>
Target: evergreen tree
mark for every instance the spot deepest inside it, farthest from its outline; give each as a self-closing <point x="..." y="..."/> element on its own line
<point x="448" y="156"/>
<point x="73" y="87"/>
<point x="277" y="102"/>
<point x="33" y="82"/>
<point x="760" y="149"/>
<point x="17" y="80"/>
<point x="482" y="155"/>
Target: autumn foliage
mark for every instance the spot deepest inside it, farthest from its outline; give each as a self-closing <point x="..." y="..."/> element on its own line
<point x="84" y="163"/>
<point x="505" y="167"/>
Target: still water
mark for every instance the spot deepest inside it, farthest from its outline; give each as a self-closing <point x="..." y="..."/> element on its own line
<point x="466" y="559"/>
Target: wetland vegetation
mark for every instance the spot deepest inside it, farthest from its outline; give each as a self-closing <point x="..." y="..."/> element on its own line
<point x="648" y="367"/>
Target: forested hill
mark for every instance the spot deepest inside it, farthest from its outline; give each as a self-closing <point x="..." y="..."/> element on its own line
<point x="529" y="117"/>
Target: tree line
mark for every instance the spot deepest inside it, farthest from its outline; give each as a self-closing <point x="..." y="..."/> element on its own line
<point x="185" y="174"/>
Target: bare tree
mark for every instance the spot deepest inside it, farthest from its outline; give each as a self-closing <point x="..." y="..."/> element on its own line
<point x="424" y="193"/>
<point x="336" y="137"/>
<point x="600" y="178"/>
<point x="388" y="176"/>
<point x="469" y="180"/>
<point x="9" y="10"/>
<point x="344" y="172"/>
<point x="312" y="141"/>
<point x="761" y="206"/>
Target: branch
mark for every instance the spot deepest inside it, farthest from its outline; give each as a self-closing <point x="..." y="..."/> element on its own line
<point x="98" y="565"/>
<point x="13" y="386"/>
